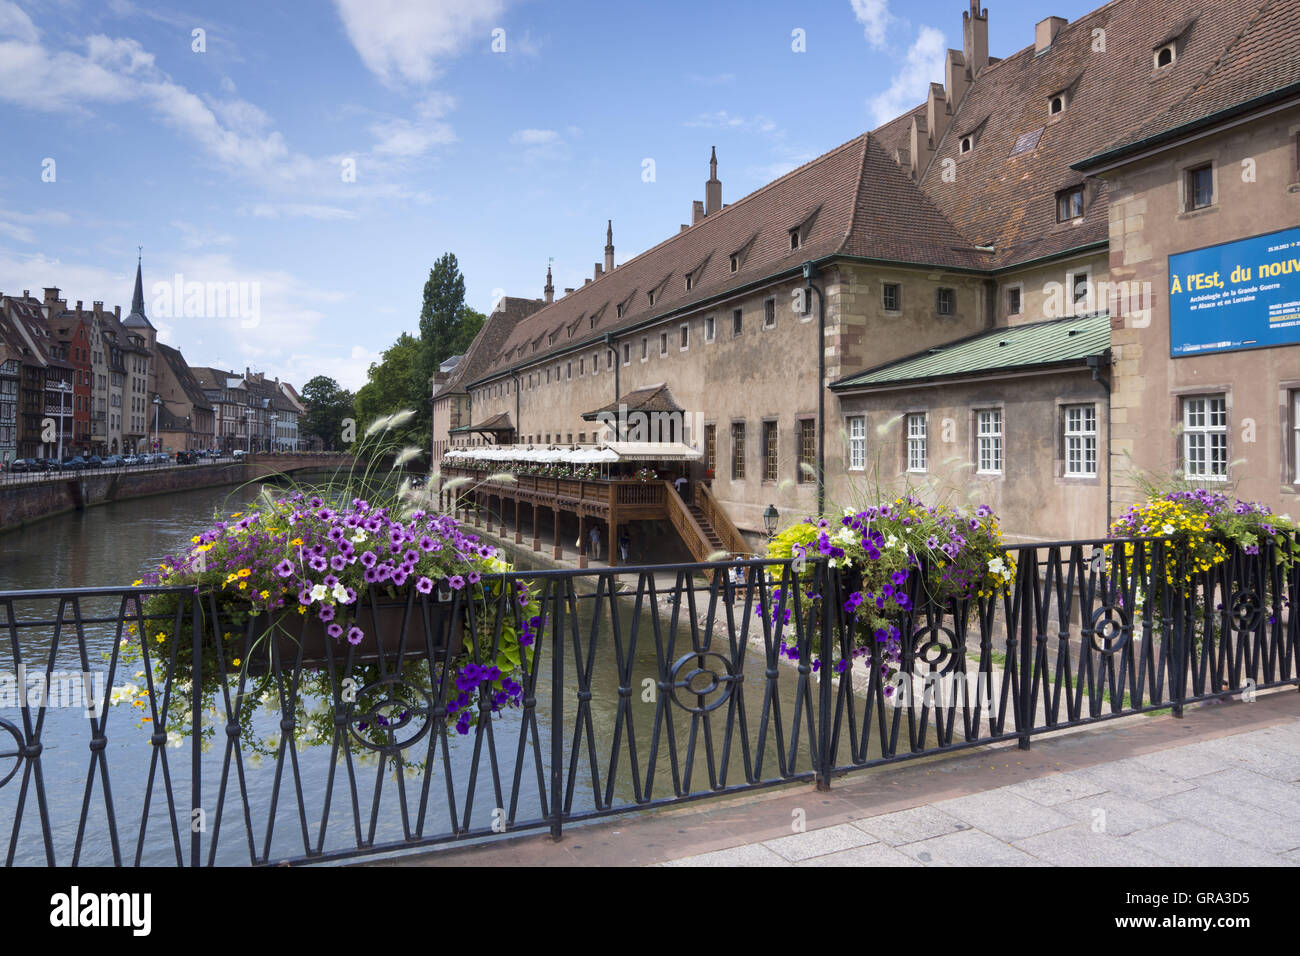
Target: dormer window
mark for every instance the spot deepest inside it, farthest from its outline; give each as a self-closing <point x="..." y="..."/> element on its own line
<point x="619" y="310"/>
<point x="651" y="297"/>
<point x="690" y="280"/>
<point x="1069" y="204"/>
<point x="966" y="143"/>
<point x="591" y="322"/>
<point x="735" y="262"/>
<point x="1058" y="103"/>
<point x="1166" y="55"/>
<point x="794" y="238"/>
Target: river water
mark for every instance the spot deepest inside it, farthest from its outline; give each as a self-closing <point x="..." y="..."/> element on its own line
<point x="605" y="735"/>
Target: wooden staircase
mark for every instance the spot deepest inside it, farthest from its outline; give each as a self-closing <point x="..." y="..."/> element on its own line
<point x="711" y="536"/>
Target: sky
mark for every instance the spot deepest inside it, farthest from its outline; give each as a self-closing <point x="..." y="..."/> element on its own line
<point x="292" y="170"/>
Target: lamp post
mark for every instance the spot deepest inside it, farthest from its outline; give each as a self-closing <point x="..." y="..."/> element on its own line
<point x="770" y="518"/>
<point x="248" y="418"/>
<point x="157" y="404"/>
<point x="270" y="443"/>
<point x="63" y="388"/>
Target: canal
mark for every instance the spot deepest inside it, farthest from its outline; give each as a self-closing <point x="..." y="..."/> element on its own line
<point x="613" y="739"/>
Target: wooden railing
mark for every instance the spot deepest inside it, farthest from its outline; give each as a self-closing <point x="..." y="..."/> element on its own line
<point x="687" y="528"/>
<point x="717" y="516"/>
<point x="641" y="493"/>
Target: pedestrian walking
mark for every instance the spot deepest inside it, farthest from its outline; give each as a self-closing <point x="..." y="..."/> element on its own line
<point x="624" y="544"/>
<point x="595" y="541"/>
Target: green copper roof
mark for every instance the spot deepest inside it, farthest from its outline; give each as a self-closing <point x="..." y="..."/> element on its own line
<point x="1017" y="347"/>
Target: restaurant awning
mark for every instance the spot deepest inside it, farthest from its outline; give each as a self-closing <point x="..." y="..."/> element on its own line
<point x="607" y="453"/>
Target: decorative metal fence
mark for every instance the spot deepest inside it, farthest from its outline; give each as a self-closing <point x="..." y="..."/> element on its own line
<point x="187" y="739"/>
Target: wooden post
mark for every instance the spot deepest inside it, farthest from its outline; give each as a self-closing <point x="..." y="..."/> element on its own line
<point x="537" y="528"/>
<point x="613" y="542"/>
<point x="582" y="540"/>
<point x="519" y="535"/>
<point x="489" y="512"/>
<point x="556" y="551"/>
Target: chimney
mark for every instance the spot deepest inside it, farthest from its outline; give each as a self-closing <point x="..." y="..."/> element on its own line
<point x="954" y="77"/>
<point x="697" y="211"/>
<point x="117" y="312"/>
<point x="550" y="288"/>
<point x="51" y="297"/>
<point x="98" y="308"/>
<point x="78" y="305"/>
<point x="1045" y="32"/>
<point x="936" y="113"/>
<point x="27" y="293"/>
<point x="587" y="282"/>
<point x="596" y="272"/>
<point x="921" y="150"/>
<point x="568" y="290"/>
<point x="609" y="246"/>
<point x="713" y="186"/>
<point x="975" y="32"/>
<point x="685" y="227"/>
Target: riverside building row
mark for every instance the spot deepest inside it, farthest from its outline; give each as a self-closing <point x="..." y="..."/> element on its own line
<point x="104" y="385"/>
<point x="1069" y="267"/>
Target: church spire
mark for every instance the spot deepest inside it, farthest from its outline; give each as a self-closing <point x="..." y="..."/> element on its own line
<point x="550" y="289"/>
<point x="137" y="318"/>
<point x="609" y="245"/>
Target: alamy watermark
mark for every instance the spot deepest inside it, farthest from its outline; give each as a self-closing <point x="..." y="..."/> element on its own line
<point x="209" y="300"/>
<point x="83" y="690"/>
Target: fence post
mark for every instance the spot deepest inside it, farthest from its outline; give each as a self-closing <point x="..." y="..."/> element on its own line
<point x="830" y="592"/>
<point x="1173" y="598"/>
<point x="557" y="711"/>
<point x="196" y="729"/>
<point x="1027" y="568"/>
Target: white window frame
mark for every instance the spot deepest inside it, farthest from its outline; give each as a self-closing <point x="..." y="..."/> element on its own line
<point x="1205" y="436"/>
<point x="1088" y="305"/>
<point x="990" y="451"/>
<point x="1020" y="287"/>
<point x="772" y="301"/>
<point x="663" y="344"/>
<point x="1079" y="440"/>
<point x="645" y="348"/>
<point x="918" y="452"/>
<point x="683" y="337"/>
<point x="857" y="431"/>
<point x="710" y="328"/>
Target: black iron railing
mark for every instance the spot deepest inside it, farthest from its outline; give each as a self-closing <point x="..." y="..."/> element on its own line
<point x="646" y="687"/>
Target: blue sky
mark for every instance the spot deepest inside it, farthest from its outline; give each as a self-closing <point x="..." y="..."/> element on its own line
<point x="227" y="163"/>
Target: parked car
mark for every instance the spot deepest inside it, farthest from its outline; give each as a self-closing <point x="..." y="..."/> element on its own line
<point x="130" y="460"/>
<point x="184" y="458"/>
<point x="72" y="464"/>
<point x="94" y="461"/>
<point x="114" y="461"/>
<point x="238" y="453"/>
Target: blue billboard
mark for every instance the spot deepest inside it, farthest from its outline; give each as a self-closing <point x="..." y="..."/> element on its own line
<point x="1237" y="295"/>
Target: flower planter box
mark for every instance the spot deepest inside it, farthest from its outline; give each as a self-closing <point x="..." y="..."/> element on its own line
<point x="383" y="624"/>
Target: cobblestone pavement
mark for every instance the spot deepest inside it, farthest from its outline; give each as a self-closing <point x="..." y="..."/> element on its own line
<point x="1231" y="801"/>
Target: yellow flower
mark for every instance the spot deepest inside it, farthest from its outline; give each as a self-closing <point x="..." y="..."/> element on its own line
<point x="137" y="582"/>
<point x="160" y="638"/>
<point x="235" y="662"/>
<point x="296" y="542"/>
<point x="194" y="540"/>
<point x="243" y="585"/>
<point x="301" y="609"/>
<point x="244" y="572"/>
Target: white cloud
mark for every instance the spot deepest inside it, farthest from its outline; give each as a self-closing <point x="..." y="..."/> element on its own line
<point x="922" y="66"/>
<point x="534" y="137"/>
<point x="875" y="17"/>
<point x="297" y="210"/>
<point x="15" y="23"/>
<point x="404" y="139"/>
<point x="724" y="120"/>
<point x="406" y="40"/>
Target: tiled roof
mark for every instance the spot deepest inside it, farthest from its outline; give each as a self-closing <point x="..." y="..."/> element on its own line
<point x="499" y="422"/>
<point x="1264" y="58"/>
<point x="188" y="381"/>
<point x="1018" y="347"/>
<point x="652" y="398"/>
<point x="994" y="198"/>
<point x="487" y="345"/>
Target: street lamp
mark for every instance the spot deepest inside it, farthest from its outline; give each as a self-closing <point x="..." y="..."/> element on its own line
<point x="770" y="518"/>
<point x="157" y="404"/>
<point x="248" y="418"/>
<point x="270" y="442"/>
<point x="63" y="388"/>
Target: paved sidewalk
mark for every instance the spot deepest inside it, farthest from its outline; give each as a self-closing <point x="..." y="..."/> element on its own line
<point x="1233" y="801"/>
<point x="1219" y="787"/>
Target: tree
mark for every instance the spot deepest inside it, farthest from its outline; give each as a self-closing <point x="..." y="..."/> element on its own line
<point x="447" y="325"/>
<point x="395" y="384"/>
<point x="328" y="403"/>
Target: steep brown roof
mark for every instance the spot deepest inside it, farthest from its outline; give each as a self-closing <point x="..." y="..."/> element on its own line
<point x="184" y="376"/>
<point x="652" y="398"/>
<point x="487" y="345"/>
<point x="995" y="198"/>
<point x="1264" y="58"/>
<point x="837" y="201"/>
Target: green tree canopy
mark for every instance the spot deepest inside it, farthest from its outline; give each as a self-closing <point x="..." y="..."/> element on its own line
<point x="395" y="384"/>
<point x="447" y="325"/>
<point x="328" y="403"/>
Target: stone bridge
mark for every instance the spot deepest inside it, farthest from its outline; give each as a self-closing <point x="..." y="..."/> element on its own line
<point x="264" y="464"/>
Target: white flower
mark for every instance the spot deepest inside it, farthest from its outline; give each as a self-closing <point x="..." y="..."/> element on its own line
<point x="359" y="537"/>
<point x="845" y="536"/>
<point x="996" y="566"/>
<point x="340" y="593"/>
<point x="125" y="693"/>
<point x="1166" y="529"/>
<point x="893" y="542"/>
<point x="175" y="738"/>
<point x="318" y="592"/>
<point x="832" y="563"/>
